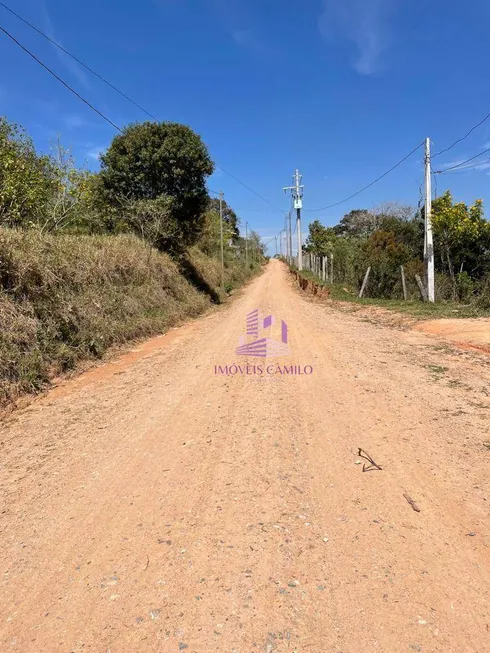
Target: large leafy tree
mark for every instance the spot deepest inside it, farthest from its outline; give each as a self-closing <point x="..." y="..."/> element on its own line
<point x="462" y="236"/>
<point x="384" y="253"/>
<point x="156" y="162"/>
<point x="320" y="239"/>
<point x="357" y="223"/>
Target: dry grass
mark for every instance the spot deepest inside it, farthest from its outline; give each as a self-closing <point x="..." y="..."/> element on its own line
<point x="66" y="298"/>
<point x="206" y="272"/>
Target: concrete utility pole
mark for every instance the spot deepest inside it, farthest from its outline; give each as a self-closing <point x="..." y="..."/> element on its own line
<point x="290" y="238"/>
<point x="222" y="244"/>
<point x="297" y="194"/>
<point x="286" y="238"/>
<point x="428" y="242"/>
<point x="276" y="245"/>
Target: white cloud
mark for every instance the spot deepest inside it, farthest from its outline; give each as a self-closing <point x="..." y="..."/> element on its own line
<point x="93" y="153"/>
<point x="366" y="23"/>
<point x="467" y="167"/>
<point x="67" y="61"/>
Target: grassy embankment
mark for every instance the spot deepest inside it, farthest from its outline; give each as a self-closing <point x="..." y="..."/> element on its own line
<point x="414" y="307"/>
<point x="67" y="298"/>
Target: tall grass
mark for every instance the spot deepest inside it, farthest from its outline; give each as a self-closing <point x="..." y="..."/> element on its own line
<point x="64" y="298"/>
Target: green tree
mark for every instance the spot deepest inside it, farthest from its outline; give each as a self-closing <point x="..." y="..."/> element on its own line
<point x="230" y="218"/>
<point x="462" y="237"/>
<point x="27" y="180"/>
<point x="151" y="161"/>
<point x="320" y="239"/>
<point x="405" y="224"/>
<point x="71" y="200"/>
<point x="358" y="223"/>
<point x="256" y="248"/>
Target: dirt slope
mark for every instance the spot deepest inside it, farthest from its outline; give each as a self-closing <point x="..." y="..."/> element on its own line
<point x="466" y="333"/>
<point x="155" y="506"/>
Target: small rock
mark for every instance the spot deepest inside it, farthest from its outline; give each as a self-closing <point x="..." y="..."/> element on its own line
<point x="155" y="614"/>
<point x="325" y="539"/>
<point x="182" y="646"/>
<point x="293" y="583"/>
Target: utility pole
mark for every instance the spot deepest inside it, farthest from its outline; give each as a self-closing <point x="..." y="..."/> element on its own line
<point x="222" y="244"/>
<point x="276" y="244"/>
<point x="428" y="242"/>
<point x="280" y="242"/>
<point x="290" y="236"/>
<point x="297" y="194"/>
<point x="246" y="243"/>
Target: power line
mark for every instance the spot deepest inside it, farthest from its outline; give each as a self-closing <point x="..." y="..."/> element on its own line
<point x="51" y="72"/>
<point x="464" y="137"/>
<point x="248" y="188"/>
<point x="81" y="63"/>
<point x="331" y="206"/>
<point x="462" y="163"/>
<point x="112" y="86"/>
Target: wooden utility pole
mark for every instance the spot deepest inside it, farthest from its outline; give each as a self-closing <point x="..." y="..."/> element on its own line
<point x="222" y="238"/>
<point x="246" y="243"/>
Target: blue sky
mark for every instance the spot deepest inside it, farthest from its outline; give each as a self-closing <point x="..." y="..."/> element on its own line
<point x="341" y="89"/>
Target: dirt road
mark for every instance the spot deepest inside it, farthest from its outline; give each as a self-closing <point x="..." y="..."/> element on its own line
<point x="156" y="506"/>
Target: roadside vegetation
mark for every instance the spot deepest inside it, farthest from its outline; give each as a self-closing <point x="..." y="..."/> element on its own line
<point x="91" y="260"/>
<point x="390" y="237"/>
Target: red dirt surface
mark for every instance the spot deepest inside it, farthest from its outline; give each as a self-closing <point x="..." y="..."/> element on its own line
<point x="467" y="334"/>
<point x="156" y="506"/>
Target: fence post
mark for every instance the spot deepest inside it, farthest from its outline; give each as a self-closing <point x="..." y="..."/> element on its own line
<point x="423" y="291"/>
<point x="364" y="283"/>
<point x="404" y="285"/>
<point x="331" y="267"/>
